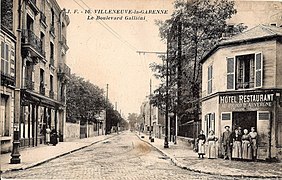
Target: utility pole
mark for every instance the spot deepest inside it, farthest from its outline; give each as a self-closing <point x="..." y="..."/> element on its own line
<point x="166" y="106"/>
<point x="106" y="132"/>
<point x="150" y="131"/>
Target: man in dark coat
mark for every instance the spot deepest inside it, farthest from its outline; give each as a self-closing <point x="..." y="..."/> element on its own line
<point x="226" y="137"/>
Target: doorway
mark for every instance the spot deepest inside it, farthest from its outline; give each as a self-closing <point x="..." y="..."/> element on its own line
<point x="245" y="120"/>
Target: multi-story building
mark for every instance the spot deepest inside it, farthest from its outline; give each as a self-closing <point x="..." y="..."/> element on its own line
<point x="242" y="87"/>
<point x="41" y="72"/>
<point x="156" y="123"/>
<point x="7" y="88"/>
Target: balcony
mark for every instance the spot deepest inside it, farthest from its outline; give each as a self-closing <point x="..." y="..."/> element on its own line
<point x="7" y="80"/>
<point x="42" y="89"/>
<point x="28" y="84"/>
<point x="64" y="72"/>
<point x="43" y="19"/>
<point x="51" y="94"/>
<point x="64" y="42"/>
<point x="32" y="5"/>
<point x="32" y="43"/>
<point x="52" y="30"/>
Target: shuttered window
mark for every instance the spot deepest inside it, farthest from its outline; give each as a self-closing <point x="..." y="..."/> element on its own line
<point x="258" y="70"/>
<point x="209" y="123"/>
<point x="230" y="73"/>
<point x="4" y="58"/>
<point x="210" y="71"/>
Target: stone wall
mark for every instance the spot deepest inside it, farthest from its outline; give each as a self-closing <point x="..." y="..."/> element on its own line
<point x="72" y="131"/>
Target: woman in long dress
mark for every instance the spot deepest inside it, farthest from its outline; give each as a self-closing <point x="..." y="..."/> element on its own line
<point x="201" y="144"/>
<point x="237" y="145"/>
<point x="48" y="132"/>
<point x="254" y="137"/>
<point x="246" y="146"/>
<point x="212" y="149"/>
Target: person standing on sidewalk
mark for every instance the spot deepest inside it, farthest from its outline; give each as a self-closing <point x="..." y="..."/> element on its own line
<point x="236" y="139"/>
<point x="201" y="144"/>
<point x="48" y="134"/>
<point x="254" y="138"/>
<point x="246" y="146"/>
<point x="226" y="142"/>
<point x="212" y="149"/>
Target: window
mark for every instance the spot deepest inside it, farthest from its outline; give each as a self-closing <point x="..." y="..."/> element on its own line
<point x="42" y="38"/>
<point x="4" y="117"/>
<point x="51" y="83"/>
<point x="51" y="50"/>
<point x="209" y="122"/>
<point x="4" y="58"/>
<point x="210" y="79"/>
<point x="244" y="71"/>
<point x="52" y="17"/>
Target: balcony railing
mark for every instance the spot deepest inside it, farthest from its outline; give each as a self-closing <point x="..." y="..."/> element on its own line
<point x="42" y="18"/>
<point x="51" y="94"/>
<point x="29" y="38"/>
<point x="42" y="89"/>
<point x="64" y="70"/>
<point x="7" y="80"/>
<point x="52" y="29"/>
<point x="28" y="84"/>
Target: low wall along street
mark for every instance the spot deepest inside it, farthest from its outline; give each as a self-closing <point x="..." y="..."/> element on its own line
<point x="72" y="131"/>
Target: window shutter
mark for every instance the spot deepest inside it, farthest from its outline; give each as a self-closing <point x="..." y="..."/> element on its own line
<point x="230" y="73"/>
<point x="210" y="79"/>
<point x="258" y="70"/>
<point x="2" y="50"/>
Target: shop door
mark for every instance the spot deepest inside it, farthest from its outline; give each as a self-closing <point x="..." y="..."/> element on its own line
<point x="245" y="120"/>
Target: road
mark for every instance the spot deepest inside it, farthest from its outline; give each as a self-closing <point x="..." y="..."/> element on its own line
<point x="121" y="157"/>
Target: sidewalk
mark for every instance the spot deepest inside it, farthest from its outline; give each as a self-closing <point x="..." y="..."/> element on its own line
<point x="183" y="156"/>
<point x="34" y="156"/>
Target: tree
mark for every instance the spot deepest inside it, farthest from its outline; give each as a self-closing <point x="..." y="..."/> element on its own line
<point x="84" y="100"/>
<point x="193" y="29"/>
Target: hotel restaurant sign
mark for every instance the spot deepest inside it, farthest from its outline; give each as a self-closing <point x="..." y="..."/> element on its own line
<point x="247" y="100"/>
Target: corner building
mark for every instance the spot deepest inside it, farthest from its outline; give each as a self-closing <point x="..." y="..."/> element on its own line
<point x="42" y="72"/>
<point x="242" y="87"/>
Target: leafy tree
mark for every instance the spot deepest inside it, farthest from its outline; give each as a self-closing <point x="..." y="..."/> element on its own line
<point x="193" y="29"/>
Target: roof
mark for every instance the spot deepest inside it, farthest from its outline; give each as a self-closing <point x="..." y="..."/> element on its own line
<point x="255" y="34"/>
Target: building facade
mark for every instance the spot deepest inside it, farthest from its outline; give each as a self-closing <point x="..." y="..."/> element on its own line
<point x="33" y="71"/>
<point x="7" y="88"/>
<point x="242" y="86"/>
<point x="157" y="119"/>
<point x="42" y="70"/>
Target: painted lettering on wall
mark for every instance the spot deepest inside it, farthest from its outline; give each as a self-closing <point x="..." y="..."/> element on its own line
<point x="246" y="98"/>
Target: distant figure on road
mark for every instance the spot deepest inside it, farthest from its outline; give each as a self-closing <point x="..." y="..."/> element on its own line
<point x="226" y="143"/>
<point x="201" y="144"/>
<point x="48" y="132"/>
<point x="236" y="139"/>
<point x="246" y="146"/>
<point x="212" y="149"/>
<point x="254" y="140"/>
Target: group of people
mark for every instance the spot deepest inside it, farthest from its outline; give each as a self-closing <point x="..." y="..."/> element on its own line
<point x="51" y="136"/>
<point x="236" y="145"/>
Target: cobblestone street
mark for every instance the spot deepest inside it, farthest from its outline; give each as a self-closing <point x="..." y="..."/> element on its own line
<point x="121" y="157"/>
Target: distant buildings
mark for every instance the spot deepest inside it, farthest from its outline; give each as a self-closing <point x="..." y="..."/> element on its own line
<point x="33" y="70"/>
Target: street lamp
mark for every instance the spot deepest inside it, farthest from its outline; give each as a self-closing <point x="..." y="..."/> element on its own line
<point x="166" y="106"/>
<point x="16" y="144"/>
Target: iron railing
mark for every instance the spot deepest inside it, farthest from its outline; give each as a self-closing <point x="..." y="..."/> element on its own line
<point x="28" y="84"/>
<point x="29" y="38"/>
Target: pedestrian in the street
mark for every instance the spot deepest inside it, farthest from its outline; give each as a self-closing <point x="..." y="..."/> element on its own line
<point x="48" y="134"/>
<point x="212" y="148"/>
<point x="236" y="139"/>
<point x="246" y="146"/>
<point x="54" y="137"/>
<point x="201" y="144"/>
<point x="226" y="142"/>
<point x="254" y="139"/>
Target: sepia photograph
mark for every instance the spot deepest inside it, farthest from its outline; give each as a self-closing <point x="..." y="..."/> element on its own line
<point x="141" y="89"/>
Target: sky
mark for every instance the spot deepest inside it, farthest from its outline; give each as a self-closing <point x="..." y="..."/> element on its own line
<point x="109" y="56"/>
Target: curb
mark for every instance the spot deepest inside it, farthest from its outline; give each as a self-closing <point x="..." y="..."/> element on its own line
<point x="182" y="166"/>
<point x="55" y="157"/>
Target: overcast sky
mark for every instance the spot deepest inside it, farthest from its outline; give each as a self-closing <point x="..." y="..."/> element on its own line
<point x="99" y="56"/>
